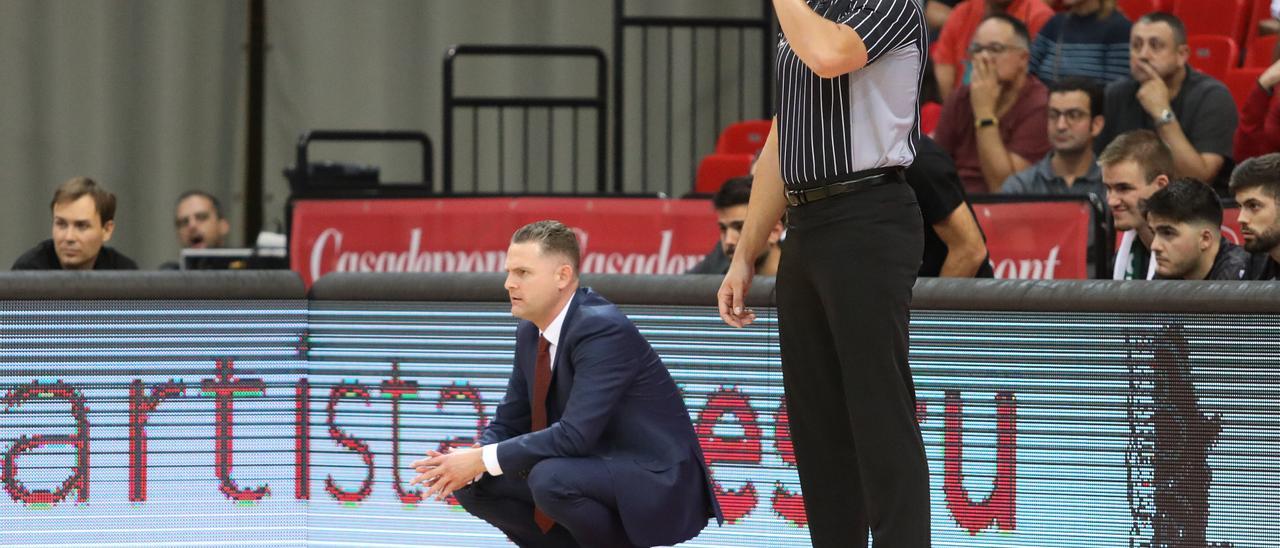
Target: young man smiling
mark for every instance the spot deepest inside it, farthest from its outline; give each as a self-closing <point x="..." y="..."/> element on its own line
<point x="1134" y="167"/>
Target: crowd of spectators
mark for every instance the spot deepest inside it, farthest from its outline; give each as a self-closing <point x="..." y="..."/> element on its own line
<point x="1083" y="101"/>
<point x="999" y="64"/>
<point x="1128" y="119"/>
<point x="1088" y="101"/>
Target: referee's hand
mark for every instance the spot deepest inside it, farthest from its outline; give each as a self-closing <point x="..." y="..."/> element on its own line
<point x="732" y="296"/>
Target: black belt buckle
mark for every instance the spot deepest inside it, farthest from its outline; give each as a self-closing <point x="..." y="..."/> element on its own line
<point x="867" y="178"/>
<point x="795" y="197"/>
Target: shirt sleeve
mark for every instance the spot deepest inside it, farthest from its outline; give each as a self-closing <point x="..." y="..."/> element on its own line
<point x="1215" y="123"/>
<point x="1029" y="137"/>
<point x="1040" y="48"/>
<point x="949" y="122"/>
<point x="1250" y="138"/>
<point x="1014" y="184"/>
<point x="884" y="25"/>
<point x="937" y="185"/>
<point x="1272" y="126"/>
<point x="490" y="455"/>
<point x="1116" y="64"/>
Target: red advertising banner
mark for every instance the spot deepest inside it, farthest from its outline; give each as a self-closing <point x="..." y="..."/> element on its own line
<point x="1040" y="240"/>
<point x="1037" y="240"/>
<point x="618" y="235"/>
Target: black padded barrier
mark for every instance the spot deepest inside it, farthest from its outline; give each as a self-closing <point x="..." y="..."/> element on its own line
<point x="1165" y="296"/>
<point x="143" y="285"/>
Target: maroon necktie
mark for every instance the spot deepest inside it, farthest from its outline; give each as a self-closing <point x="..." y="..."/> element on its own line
<point x="538" y="411"/>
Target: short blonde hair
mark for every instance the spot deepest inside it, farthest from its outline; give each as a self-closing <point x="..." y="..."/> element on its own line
<point x="1143" y="147"/>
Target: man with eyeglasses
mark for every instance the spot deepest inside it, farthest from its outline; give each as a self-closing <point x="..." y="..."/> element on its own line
<point x="994" y="126"/>
<point x="1193" y="113"/>
<point x="949" y="52"/>
<point x="1075" y="119"/>
<point x="197" y="217"/>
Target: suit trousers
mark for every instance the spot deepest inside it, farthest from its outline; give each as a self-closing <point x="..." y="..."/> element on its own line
<point x="844" y="294"/>
<point x="577" y="493"/>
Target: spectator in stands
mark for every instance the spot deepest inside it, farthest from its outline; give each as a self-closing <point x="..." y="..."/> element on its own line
<point x="1256" y="186"/>
<point x="1259" y="130"/>
<point x="730" y="203"/>
<point x="198" y="219"/>
<point x="950" y="53"/>
<point x="1193" y="113"/>
<point x="1091" y="39"/>
<point x="1075" y="119"/>
<point x="1134" y="166"/>
<point x="954" y="245"/>
<point x="1186" y="220"/>
<point x="994" y="127"/>
<point x="83" y="221"/>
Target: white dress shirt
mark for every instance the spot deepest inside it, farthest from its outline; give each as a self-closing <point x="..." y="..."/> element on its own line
<point x="552" y="334"/>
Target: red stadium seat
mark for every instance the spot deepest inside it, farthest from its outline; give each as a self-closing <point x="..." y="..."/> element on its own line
<point x="1260" y="51"/>
<point x="929" y="114"/>
<point x="715" y="169"/>
<point x="1214" y="17"/>
<point x="1259" y="10"/>
<point x="1241" y="82"/>
<point x="745" y="137"/>
<point x="1133" y="9"/>
<point x="1213" y="55"/>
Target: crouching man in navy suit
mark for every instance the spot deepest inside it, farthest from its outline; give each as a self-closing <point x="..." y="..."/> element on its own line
<point x="592" y="444"/>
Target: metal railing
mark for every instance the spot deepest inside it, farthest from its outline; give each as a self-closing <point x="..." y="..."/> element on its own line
<point x="302" y="166"/>
<point x="632" y="95"/>
<point x="454" y="101"/>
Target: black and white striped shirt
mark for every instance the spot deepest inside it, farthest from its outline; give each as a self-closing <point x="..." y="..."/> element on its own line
<point x="829" y="129"/>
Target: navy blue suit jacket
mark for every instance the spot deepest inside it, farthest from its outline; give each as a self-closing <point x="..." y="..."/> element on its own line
<point x="612" y="398"/>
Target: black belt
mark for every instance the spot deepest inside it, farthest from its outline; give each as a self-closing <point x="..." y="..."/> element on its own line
<point x="857" y="181"/>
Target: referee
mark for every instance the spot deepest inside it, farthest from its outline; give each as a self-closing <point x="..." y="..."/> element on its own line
<point x="848" y="77"/>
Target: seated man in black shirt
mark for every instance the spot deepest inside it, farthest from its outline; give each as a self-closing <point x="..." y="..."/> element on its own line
<point x="83" y="220"/>
<point x="1192" y="112"/>
<point x="1256" y="186"/>
<point x="1186" y="218"/>
<point x="730" y="203"/>
<point x="954" y="245"/>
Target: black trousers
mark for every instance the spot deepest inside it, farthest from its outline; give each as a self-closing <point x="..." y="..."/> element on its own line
<point x="576" y="492"/>
<point x="844" y="294"/>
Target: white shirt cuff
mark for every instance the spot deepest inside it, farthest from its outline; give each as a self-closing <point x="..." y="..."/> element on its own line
<point x="490" y="455"/>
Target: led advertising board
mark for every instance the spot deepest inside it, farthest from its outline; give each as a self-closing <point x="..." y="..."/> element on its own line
<point x="288" y="423"/>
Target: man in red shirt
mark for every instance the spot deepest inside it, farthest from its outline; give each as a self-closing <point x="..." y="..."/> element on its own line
<point x="1259" y="129"/>
<point x="994" y="127"/>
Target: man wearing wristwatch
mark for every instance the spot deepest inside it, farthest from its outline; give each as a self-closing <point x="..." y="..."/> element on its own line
<point x="994" y="126"/>
<point x="1192" y="112"/>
